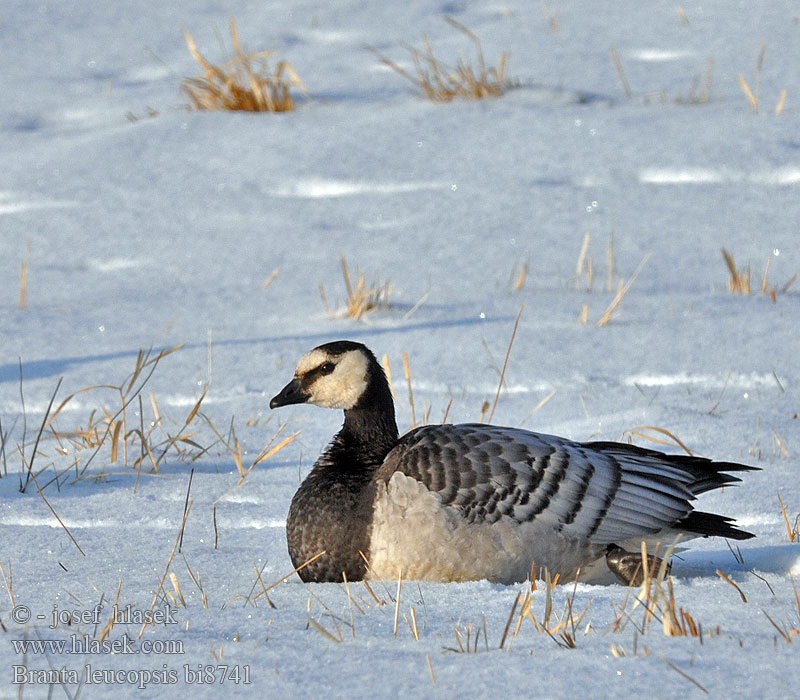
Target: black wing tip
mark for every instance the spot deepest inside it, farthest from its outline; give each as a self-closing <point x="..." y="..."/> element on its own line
<point x="707" y="474"/>
<point x="712" y="525"/>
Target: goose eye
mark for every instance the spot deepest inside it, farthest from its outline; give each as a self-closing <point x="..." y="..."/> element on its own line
<point x="327" y="368"/>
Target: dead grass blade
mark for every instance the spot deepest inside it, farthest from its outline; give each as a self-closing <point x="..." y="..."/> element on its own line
<point x="636" y="432"/>
<point x="323" y="631"/>
<point x="290" y="574"/>
<point x="728" y="580"/>
<point x="781" y="102"/>
<point x="397" y="601"/>
<point x="751" y="98"/>
<point x="683" y="673"/>
<point x="537" y="407"/>
<point x="8" y="580"/>
<point x="166" y="569"/>
<point x="505" y="364"/>
<point x="620" y="72"/>
<point x="606" y="317"/>
<point x="23" y="277"/>
<point x="56" y="516"/>
<point x="407" y="371"/>
<point x="245" y="82"/>
<point x="508" y="622"/>
<point x="792" y="532"/>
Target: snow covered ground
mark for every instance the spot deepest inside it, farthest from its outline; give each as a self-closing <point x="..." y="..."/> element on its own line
<point x="146" y="225"/>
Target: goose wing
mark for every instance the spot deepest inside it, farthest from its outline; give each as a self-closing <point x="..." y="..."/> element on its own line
<point x="600" y="492"/>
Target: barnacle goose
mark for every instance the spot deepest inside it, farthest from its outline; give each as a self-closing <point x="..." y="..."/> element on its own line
<point x="474" y="501"/>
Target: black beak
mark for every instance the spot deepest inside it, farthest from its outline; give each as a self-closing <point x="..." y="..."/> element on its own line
<point x="291" y="393"/>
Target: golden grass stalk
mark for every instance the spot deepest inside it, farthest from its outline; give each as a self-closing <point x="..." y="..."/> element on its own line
<point x="793" y="532"/>
<point x="581" y="258"/>
<point x="23" y="277"/>
<point x="739" y="282"/>
<point x="323" y="631"/>
<point x="388" y="370"/>
<point x="620" y="72"/>
<point x="520" y="275"/>
<point x="442" y="83"/>
<point x="245" y="82"/>
<point x="727" y="579"/>
<point x="407" y="371"/>
<point x="9" y="581"/>
<point x="197" y="582"/>
<point x="606" y="317"/>
<point x="505" y="364"/>
<point x="751" y="98"/>
<point x="538" y="407"/>
<point x="636" y="432"/>
<point x="263" y="587"/>
<point x="113" y="619"/>
<point x="397" y="602"/>
<point x="177" y="588"/>
<point x="291" y="573"/>
<point x="270" y="279"/>
<point x="510" y="619"/>
<point x="781" y="102"/>
<point x="413" y="625"/>
<point x="350" y="604"/>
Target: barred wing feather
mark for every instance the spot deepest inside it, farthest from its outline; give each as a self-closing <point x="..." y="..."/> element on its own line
<point x="597" y="492"/>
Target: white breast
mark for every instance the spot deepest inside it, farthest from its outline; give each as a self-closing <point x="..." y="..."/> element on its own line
<point x="413" y="534"/>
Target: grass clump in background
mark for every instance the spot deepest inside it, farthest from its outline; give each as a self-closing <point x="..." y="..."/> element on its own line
<point x="245" y="82"/>
<point x="739" y="280"/>
<point x="442" y="83"/>
<point x="362" y="299"/>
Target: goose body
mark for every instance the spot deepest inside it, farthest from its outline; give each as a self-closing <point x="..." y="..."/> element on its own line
<point x="473" y="501"/>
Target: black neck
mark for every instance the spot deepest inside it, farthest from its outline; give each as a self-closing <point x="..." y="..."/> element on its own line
<point x="369" y="433"/>
<point x="369" y="429"/>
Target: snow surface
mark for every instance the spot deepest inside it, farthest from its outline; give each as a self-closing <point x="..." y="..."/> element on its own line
<point x="155" y="230"/>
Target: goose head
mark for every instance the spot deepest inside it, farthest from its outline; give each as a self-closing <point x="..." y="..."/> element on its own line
<point x="342" y="374"/>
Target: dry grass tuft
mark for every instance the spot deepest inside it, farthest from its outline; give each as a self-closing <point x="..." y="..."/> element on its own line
<point x="753" y="95"/>
<point x="739" y="281"/>
<point x="442" y="83"/>
<point x="787" y="632"/>
<point x="119" y="432"/>
<point x="245" y="82"/>
<point x="699" y="93"/>
<point x="656" y="596"/>
<point x="361" y="298"/>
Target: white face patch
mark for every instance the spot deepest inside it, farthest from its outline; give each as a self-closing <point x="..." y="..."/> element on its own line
<point x="343" y="387"/>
